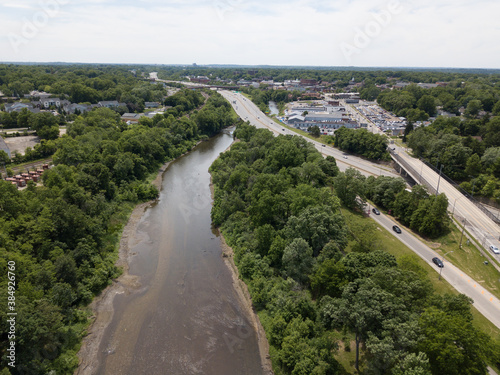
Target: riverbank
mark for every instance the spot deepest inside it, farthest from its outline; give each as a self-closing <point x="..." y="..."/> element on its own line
<point x="246" y="302"/>
<point x="102" y="305"/>
<point x="244" y="296"/>
<point x="104" y="344"/>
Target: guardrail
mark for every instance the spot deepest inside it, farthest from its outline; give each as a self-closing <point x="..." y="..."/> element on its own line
<point x="432" y="190"/>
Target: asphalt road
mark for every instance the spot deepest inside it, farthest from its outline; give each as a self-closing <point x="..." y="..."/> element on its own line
<point x="477" y="222"/>
<point x="248" y="111"/>
<point x="484" y="301"/>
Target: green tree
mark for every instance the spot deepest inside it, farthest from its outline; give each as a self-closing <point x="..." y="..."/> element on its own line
<point x="315" y="131"/>
<point x="452" y="344"/>
<point x="473" y="166"/>
<point x="427" y="104"/>
<point x="363" y="308"/>
<point x="350" y="188"/>
<point x="473" y="108"/>
<point x="298" y="260"/>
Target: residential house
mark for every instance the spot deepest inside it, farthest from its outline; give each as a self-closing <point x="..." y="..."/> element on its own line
<point x="151" y="104"/>
<point x="132" y="118"/>
<point x="77" y="108"/>
<point x="51" y="102"/>
<point x="18" y="107"/>
<point x="113" y="104"/>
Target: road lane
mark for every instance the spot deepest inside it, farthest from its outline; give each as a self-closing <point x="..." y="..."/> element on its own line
<point x="485" y="302"/>
<point x="478" y="223"/>
<point x="248" y="111"/>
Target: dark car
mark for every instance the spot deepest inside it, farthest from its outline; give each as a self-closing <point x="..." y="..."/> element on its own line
<point x="375" y="211"/>
<point x="396" y="229"/>
<point x="438" y="262"/>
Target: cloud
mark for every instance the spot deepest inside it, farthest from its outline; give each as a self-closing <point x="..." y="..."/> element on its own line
<point x="297" y="32"/>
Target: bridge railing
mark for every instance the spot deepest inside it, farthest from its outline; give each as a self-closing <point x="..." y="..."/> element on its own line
<point x="432" y="190"/>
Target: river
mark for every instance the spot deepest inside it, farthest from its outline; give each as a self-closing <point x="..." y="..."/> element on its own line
<point x="185" y="317"/>
<point x="273" y="108"/>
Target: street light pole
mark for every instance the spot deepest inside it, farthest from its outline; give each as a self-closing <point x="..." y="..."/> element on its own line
<point x="442" y="260"/>
<point x="462" y="236"/>
<point x="439" y="179"/>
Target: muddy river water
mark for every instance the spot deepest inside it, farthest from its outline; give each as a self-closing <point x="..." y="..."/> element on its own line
<point x="184" y="316"/>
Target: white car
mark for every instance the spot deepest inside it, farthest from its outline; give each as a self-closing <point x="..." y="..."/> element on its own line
<point x="494" y="249"/>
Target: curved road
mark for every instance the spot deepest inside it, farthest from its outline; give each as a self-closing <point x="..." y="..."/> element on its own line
<point x="484" y="301"/>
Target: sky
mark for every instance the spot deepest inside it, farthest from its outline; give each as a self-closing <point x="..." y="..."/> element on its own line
<point x="382" y="33"/>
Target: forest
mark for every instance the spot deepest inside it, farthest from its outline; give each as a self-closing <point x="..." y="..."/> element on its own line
<point x="63" y="235"/>
<point x="339" y="77"/>
<point x="318" y="283"/>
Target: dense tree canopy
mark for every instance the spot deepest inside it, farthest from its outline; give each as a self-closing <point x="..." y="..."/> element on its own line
<point x="312" y="274"/>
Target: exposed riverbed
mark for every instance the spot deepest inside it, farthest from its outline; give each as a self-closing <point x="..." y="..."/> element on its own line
<point x="177" y="309"/>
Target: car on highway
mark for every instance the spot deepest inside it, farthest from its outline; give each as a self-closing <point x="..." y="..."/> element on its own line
<point x="438" y="262"/>
<point x="375" y="211"/>
<point x="396" y="229"/>
<point x="283" y="129"/>
<point x="494" y="249"/>
<point x="323" y="145"/>
<point x="345" y="157"/>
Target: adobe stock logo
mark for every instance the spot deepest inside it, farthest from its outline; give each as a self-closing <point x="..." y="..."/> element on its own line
<point x="224" y="6"/>
<point x="372" y="29"/>
<point x="31" y="27"/>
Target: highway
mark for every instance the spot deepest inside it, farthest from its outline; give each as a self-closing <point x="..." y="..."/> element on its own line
<point x="484" y="301"/>
<point x="248" y="111"/>
<point x="477" y="222"/>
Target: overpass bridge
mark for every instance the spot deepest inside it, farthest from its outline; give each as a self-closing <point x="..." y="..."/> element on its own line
<point x="482" y="223"/>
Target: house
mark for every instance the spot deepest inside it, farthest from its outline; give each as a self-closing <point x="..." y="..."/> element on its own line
<point x="51" y="102"/>
<point x="38" y="94"/>
<point x="401" y="85"/>
<point x="77" y="108"/>
<point x="151" y="104"/>
<point x="427" y="85"/>
<point x="132" y="118"/>
<point x="113" y="104"/>
<point x="308" y="82"/>
<point x="18" y="107"/>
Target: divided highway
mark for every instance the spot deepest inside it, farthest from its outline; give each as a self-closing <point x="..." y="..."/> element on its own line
<point x="477" y="223"/>
<point x="248" y="111"/>
<point x="484" y="301"/>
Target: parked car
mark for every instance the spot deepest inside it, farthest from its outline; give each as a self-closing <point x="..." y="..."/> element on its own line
<point x="375" y="211"/>
<point x="396" y="229"/>
<point x="438" y="262"/>
<point x="494" y="249"/>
